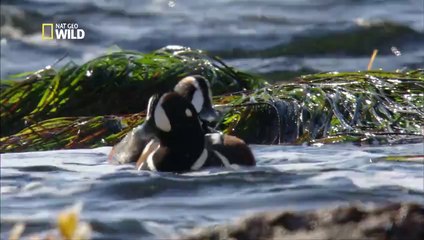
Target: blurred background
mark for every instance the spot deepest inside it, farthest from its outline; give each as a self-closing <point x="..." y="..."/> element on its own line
<point x="276" y="38"/>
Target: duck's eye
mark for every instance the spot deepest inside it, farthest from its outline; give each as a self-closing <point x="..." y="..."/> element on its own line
<point x="188" y="113"/>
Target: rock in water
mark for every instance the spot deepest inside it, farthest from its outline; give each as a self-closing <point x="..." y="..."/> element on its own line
<point x="395" y="221"/>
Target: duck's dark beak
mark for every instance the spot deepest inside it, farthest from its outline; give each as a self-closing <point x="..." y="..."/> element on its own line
<point x="209" y="114"/>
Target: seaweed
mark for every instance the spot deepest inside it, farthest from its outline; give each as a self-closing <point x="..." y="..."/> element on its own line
<point x="97" y="103"/>
<point x="363" y="107"/>
<point x="116" y="83"/>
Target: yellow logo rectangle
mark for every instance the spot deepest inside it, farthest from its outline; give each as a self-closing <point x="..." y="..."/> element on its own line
<point x="45" y="26"/>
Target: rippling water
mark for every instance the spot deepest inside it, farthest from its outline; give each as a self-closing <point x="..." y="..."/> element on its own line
<point x="122" y="203"/>
<point x="220" y="26"/>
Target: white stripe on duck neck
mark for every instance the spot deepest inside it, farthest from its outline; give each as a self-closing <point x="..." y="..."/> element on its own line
<point x="225" y="161"/>
<point x="200" y="161"/>
<point x="150" y="163"/>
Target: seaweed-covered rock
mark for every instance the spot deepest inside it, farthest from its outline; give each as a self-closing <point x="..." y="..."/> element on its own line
<point x="116" y="83"/>
<point x="395" y="222"/>
<point x="373" y="106"/>
<point x="97" y="103"/>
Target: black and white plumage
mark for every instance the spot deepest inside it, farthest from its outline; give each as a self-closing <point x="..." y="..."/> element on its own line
<point x="196" y="89"/>
<point x="181" y="144"/>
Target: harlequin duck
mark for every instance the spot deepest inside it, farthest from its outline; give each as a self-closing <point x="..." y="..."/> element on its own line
<point x="194" y="88"/>
<point x="181" y="145"/>
<point x="198" y="90"/>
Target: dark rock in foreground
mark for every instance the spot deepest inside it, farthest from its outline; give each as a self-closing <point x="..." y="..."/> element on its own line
<point x="396" y="221"/>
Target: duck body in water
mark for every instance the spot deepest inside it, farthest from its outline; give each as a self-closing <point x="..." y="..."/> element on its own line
<point x="178" y="140"/>
<point x="196" y="89"/>
<point x="136" y="146"/>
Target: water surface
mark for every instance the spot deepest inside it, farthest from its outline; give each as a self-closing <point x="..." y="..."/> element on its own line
<point x="218" y="26"/>
<point x="122" y="203"/>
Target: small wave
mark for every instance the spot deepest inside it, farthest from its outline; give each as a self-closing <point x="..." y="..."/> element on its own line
<point x="120" y="229"/>
<point x="14" y="21"/>
<point x="147" y="185"/>
<point x="42" y="168"/>
<point x="365" y="180"/>
<point x="381" y="35"/>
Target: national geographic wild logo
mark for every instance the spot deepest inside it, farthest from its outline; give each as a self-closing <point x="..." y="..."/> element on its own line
<point x="69" y="31"/>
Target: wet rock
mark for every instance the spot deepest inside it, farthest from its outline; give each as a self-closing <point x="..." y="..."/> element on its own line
<point x="395" y="221"/>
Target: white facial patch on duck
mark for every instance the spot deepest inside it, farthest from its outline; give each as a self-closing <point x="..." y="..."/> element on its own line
<point x="198" y="98"/>
<point x="188" y="113"/>
<point x="161" y="119"/>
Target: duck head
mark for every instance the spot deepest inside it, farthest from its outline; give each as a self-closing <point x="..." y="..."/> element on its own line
<point x="172" y="119"/>
<point x="198" y="91"/>
<point x="174" y="122"/>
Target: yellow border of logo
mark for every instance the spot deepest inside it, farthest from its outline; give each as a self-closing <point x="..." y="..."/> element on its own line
<point x="43" y="37"/>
